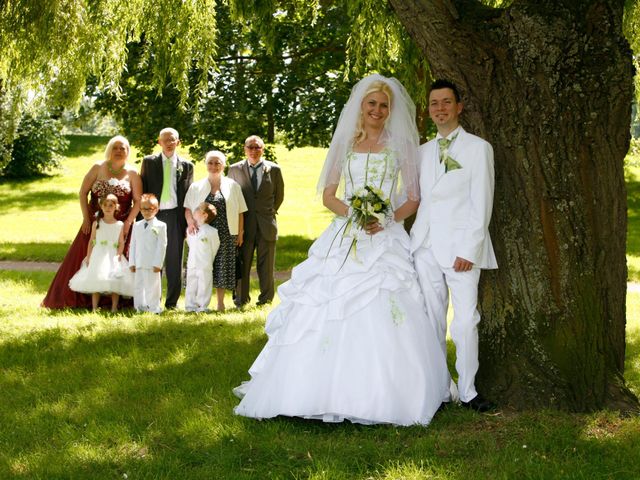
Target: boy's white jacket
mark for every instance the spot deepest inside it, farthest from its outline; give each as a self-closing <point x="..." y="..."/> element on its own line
<point x="203" y="247"/>
<point x="148" y="245"/>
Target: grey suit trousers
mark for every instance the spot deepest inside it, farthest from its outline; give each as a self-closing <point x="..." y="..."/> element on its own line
<point x="265" y="265"/>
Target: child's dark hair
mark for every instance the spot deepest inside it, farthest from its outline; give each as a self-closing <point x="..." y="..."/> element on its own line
<point x="101" y="200"/>
<point x="209" y="212"/>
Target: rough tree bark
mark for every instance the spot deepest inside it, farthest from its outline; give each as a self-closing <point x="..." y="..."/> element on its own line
<point x="549" y="84"/>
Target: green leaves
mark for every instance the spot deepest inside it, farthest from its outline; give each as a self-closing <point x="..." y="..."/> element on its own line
<point x="52" y="47"/>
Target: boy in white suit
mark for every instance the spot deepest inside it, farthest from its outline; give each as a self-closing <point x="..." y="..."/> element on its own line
<point x="203" y="247"/>
<point x="450" y="238"/>
<point x="146" y="256"/>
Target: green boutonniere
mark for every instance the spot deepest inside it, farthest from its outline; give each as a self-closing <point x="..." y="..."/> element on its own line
<point x="450" y="164"/>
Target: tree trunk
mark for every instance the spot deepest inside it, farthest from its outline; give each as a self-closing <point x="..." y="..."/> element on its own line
<point x="549" y="84"/>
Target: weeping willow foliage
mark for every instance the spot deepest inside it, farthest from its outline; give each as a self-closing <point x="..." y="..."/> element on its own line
<point x="53" y="46"/>
<point x="378" y="41"/>
<point x="50" y="48"/>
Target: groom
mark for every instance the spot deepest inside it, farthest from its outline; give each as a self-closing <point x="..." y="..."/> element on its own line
<point x="450" y="238"/>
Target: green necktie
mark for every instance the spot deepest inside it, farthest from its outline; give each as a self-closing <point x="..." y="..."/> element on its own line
<point x="165" y="195"/>
<point x="449" y="163"/>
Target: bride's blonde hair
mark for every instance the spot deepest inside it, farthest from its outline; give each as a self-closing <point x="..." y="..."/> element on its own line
<point x="377" y="86"/>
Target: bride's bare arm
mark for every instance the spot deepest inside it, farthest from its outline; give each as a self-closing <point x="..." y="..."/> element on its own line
<point x="332" y="202"/>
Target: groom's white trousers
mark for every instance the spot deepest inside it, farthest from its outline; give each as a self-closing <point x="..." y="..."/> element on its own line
<point x="436" y="282"/>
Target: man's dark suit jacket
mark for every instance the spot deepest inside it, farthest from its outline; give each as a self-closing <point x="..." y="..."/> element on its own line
<point x="152" y="175"/>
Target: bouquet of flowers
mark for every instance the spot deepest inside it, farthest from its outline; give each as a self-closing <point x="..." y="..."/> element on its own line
<point x="367" y="205"/>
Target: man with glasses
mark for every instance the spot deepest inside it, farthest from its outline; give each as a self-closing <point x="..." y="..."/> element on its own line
<point x="168" y="177"/>
<point x="263" y="191"/>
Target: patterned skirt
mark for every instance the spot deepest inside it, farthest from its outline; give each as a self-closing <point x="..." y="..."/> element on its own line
<point x="224" y="265"/>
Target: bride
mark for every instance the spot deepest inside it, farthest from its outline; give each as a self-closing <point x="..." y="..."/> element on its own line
<point x="350" y="339"/>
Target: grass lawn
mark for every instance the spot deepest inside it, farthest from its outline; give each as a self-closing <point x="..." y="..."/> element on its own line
<point x="633" y="227"/>
<point x="103" y="396"/>
<point x="53" y="203"/>
<point x="125" y="396"/>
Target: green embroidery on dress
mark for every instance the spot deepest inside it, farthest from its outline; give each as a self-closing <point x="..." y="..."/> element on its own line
<point x="379" y="167"/>
<point x="104" y="243"/>
<point x="397" y="314"/>
<point x="114" y="245"/>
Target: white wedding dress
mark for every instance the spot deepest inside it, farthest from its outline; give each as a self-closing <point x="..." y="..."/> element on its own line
<point x="350" y="338"/>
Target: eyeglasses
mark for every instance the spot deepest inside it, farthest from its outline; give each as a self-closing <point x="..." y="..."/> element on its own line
<point x="253" y="147"/>
<point x="147" y="209"/>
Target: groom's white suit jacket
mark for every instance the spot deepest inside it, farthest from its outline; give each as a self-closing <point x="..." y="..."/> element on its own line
<point x="455" y="207"/>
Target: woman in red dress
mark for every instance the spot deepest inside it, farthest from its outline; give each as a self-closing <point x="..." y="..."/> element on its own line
<point x="113" y="175"/>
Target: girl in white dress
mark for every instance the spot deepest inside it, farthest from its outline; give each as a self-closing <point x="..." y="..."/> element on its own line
<point x="104" y="270"/>
<point x="350" y="338"/>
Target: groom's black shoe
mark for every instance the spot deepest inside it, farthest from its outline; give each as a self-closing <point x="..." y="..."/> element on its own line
<point x="479" y="404"/>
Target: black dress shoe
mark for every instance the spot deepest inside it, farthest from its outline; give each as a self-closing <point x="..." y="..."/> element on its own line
<point x="479" y="404"/>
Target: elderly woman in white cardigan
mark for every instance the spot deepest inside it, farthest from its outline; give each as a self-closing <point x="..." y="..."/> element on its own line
<point x="226" y="195"/>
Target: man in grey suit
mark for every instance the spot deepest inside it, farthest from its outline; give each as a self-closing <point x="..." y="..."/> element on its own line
<point x="168" y="177"/>
<point x="263" y="191"/>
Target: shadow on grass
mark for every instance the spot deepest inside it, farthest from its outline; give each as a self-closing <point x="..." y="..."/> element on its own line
<point x="291" y="250"/>
<point x="632" y="359"/>
<point x="633" y="212"/>
<point x="633" y="225"/>
<point x="113" y="387"/>
<point x="34" y="251"/>
<point x="151" y="398"/>
<point x="34" y="201"/>
<point x="156" y="402"/>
